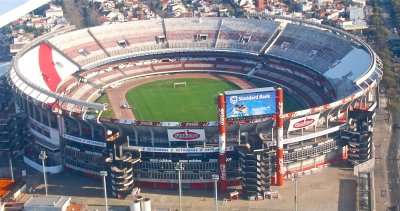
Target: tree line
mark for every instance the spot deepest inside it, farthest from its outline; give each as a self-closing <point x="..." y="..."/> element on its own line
<point x="378" y="37"/>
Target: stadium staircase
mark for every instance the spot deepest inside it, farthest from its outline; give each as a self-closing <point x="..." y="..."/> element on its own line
<point x="62" y="53"/>
<point x="274" y="37"/>
<point x="256" y="172"/>
<point x="96" y="82"/>
<point x="219" y="32"/>
<point x="257" y="67"/>
<point x="255" y="164"/>
<point x="358" y="136"/>
<point x="121" y="71"/>
<point x="98" y="43"/>
<point x="120" y="171"/>
<point x="165" y="32"/>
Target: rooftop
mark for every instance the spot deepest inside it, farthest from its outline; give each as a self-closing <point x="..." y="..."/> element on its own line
<point x="55" y="201"/>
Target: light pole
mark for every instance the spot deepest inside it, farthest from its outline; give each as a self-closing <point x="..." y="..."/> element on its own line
<point x="179" y="168"/>
<point x="11" y="167"/>
<point x="296" y="178"/>
<point x="104" y="174"/>
<point x="43" y="156"/>
<point x="215" y="177"/>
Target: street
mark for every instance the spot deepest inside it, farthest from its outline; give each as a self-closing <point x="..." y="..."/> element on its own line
<point x="393" y="162"/>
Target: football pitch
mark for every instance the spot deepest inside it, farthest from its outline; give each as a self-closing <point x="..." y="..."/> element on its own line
<point x="193" y="102"/>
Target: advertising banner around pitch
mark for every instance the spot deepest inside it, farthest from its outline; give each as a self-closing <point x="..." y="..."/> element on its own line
<point x="186" y="135"/>
<point x="303" y="122"/>
<point x="250" y="104"/>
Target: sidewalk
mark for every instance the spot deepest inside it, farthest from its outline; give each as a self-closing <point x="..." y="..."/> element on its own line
<point x="382" y="132"/>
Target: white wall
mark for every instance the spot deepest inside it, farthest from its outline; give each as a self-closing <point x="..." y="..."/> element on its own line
<point x="38" y="167"/>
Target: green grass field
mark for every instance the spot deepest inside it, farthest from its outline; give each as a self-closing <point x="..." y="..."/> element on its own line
<point x="160" y="101"/>
<point x="109" y="113"/>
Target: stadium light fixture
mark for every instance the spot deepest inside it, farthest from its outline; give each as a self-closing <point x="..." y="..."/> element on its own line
<point x="296" y="177"/>
<point x="179" y="168"/>
<point x="104" y="174"/>
<point x="43" y="156"/>
<point x="215" y="177"/>
<point x="11" y="166"/>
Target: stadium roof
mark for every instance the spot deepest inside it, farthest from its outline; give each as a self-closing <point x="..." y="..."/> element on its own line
<point x="47" y="201"/>
<point x="11" y="10"/>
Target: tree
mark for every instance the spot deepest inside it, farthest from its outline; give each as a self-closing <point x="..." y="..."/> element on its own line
<point x="392" y="105"/>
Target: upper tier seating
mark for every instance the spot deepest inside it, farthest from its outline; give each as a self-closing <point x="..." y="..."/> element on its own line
<point x="193" y="32"/>
<point x="114" y="40"/>
<point x="246" y="34"/>
<point x="105" y="41"/>
<point x="317" y="49"/>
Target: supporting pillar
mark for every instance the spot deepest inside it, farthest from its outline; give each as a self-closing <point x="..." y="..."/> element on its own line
<point x="239" y="135"/>
<point x="378" y="102"/>
<point x="223" y="182"/>
<point x="34" y="111"/>
<point x="79" y="127"/>
<point x="27" y="108"/>
<point x="92" y="128"/>
<point x="49" y="119"/>
<point x="152" y="136"/>
<point x="137" y="136"/>
<point x="41" y="115"/>
<point x="279" y="137"/>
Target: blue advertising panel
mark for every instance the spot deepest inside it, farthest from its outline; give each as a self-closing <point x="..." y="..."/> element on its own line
<point x="252" y="102"/>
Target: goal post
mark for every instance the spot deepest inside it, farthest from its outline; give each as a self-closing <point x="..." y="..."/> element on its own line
<point x="179" y="84"/>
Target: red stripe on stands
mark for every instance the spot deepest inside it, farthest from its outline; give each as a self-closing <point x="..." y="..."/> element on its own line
<point x="46" y="64"/>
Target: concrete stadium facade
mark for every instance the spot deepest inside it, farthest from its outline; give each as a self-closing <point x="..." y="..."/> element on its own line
<point x="57" y="77"/>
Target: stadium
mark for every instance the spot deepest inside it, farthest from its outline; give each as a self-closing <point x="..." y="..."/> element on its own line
<point x="75" y="86"/>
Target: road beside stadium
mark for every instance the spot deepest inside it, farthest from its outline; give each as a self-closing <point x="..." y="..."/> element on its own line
<point x="335" y="188"/>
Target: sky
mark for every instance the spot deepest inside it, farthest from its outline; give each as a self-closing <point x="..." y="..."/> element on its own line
<point x="7" y="5"/>
<point x="18" y="7"/>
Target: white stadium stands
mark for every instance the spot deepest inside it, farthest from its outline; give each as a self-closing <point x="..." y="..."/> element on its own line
<point x="246" y="34"/>
<point x="317" y="49"/>
<point x="57" y="77"/>
<point x="312" y="53"/>
<point x="194" y="32"/>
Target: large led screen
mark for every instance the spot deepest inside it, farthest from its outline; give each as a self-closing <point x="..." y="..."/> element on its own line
<point x="250" y="102"/>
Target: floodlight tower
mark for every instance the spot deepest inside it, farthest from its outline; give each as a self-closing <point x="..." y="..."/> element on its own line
<point x="223" y="182"/>
<point x="279" y="137"/>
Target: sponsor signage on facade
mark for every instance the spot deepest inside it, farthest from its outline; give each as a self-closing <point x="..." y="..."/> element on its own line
<point x="84" y="141"/>
<point x="250" y="102"/>
<point x="179" y="150"/>
<point x="186" y="135"/>
<point x="303" y="122"/>
<point x="180" y="161"/>
<point x="309" y="136"/>
<point x="313" y="135"/>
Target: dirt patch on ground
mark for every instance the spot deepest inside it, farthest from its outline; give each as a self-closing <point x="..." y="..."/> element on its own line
<point x="117" y="95"/>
